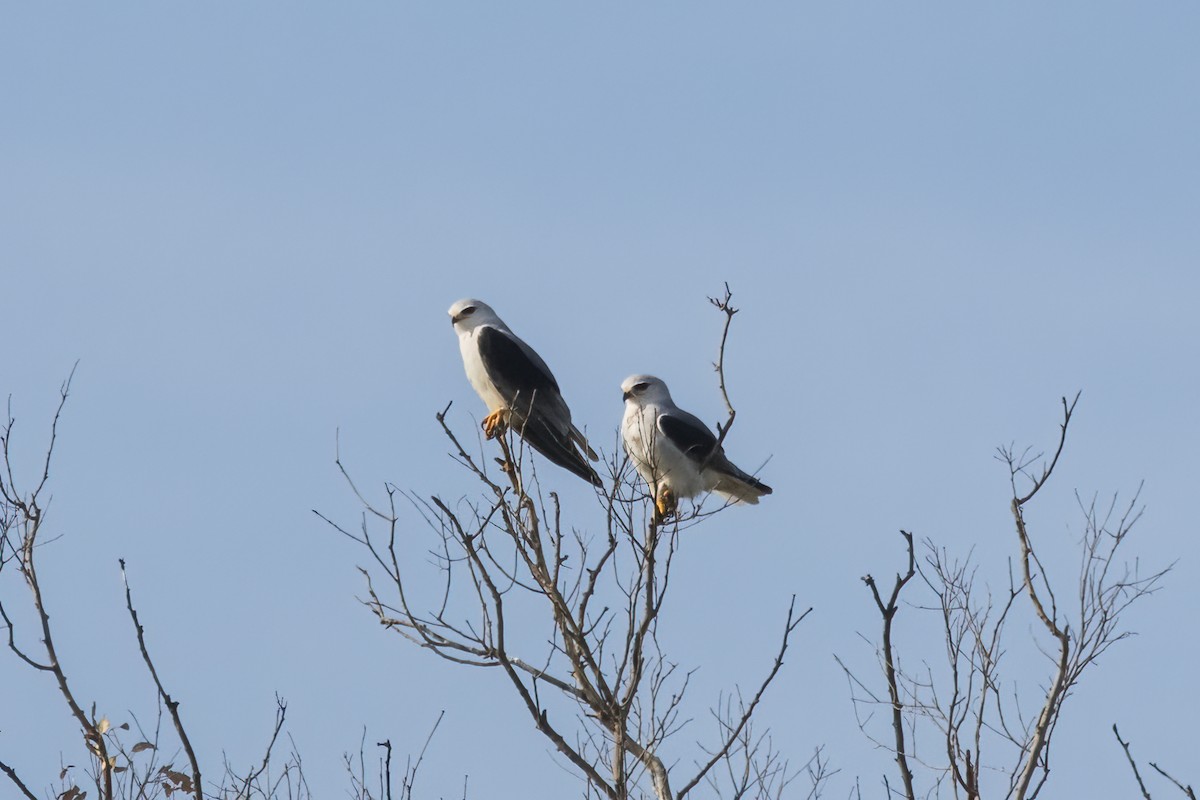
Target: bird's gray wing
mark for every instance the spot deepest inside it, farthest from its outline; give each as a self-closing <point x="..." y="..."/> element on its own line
<point x="691" y="436"/>
<point x="515" y="369"/>
<point x="552" y="404"/>
<point x="539" y="413"/>
<point x="697" y="442"/>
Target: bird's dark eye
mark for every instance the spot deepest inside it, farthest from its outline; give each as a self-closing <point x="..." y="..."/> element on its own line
<point x="640" y="387"/>
<point x="468" y="311"/>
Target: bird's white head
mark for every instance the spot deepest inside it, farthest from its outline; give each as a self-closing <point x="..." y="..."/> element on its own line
<point x="467" y="315"/>
<point x="642" y="390"/>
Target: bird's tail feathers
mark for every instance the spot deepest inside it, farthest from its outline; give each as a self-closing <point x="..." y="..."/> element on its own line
<point x="739" y="487"/>
<point x="558" y="450"/>
<point x="582" y="441"/>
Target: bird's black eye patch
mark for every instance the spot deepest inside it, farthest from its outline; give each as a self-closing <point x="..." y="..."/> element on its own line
<point x="466" y="312"/>
<point x="640" y="387"/>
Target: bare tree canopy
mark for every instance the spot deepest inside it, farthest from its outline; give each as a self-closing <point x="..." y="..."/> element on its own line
<point x="598" y="683"/>
<point x="568" y="604"/>
<point x="989" y="739"/>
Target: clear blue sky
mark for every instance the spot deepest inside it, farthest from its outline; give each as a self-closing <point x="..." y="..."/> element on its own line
<point x="246" y="222"/>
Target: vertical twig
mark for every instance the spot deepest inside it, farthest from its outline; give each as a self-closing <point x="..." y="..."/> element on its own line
<point x="255" y="774"/>
<point x="410" y="777"/>
<point x="172" y="705"/>
<point x="1058" y="688"/>
<point x="386" y="789"/>
<point x="888" y="612"/>
<point x="723" y="305"/>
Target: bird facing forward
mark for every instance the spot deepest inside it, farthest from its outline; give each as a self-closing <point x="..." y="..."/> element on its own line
<point x="676" y="453"/>
<point x="518" y="388"/>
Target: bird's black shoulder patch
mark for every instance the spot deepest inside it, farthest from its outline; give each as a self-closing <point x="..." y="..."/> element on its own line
<point x="510" y="366"/>
<point x="690" y="436"/>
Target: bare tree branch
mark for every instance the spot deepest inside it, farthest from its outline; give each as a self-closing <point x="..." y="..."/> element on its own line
<point x="736" y="730"/>
<point x="723" y="305"/>
<point x="1061" y="680"/>
<point x="28" y="519"/>
<point x="888" y="612"/>
<point x="1132" y="763"/>
<point x="248" y="782"/>
<point x="1185" y="789"/>
<point x="172" y="705"/>
<point x="965" y="701"/>
<point x="12" y="775"/>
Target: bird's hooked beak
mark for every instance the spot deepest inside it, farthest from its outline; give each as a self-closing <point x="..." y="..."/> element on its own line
<point x="626" y="395"/>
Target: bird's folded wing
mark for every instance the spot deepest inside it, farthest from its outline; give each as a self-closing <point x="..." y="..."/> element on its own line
<point x="687" y="433"/>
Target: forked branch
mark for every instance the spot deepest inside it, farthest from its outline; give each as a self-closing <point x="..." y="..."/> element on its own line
<point x="1184" y="788"/>
<point x="1060" y="683"/>
<point x="723" y="305"/>
<point x="21" y="530"/>
<point x="888" y="612"/>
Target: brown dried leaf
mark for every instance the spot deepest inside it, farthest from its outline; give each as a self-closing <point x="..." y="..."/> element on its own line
<point x="173" y="781"/>
<point x="140" y="746"/>
<point x="180" y="780"/>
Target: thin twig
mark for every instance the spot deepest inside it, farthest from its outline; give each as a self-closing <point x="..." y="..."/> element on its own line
<point x="1132" y="763"/>
<point x="12" y="774"/>
<point x="410" y="777"/>
<point x="723" y="305"/>
<point x="63" y="392"/>
<point x="280" y="716"/>
<point x="1187" y="790"/>
<point x="12" y="645"/>
<point x="172" y="705"/>
<point x="789" y="626"/>
<point x="1068" y="410"/>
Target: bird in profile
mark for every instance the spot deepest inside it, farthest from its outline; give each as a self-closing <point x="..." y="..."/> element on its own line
<point x="676" y="453"/>
<point x="518" y="389"/>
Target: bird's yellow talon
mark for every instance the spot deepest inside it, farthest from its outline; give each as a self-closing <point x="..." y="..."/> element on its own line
<point x="665" y="505"/>
<point x="493" y="424"/>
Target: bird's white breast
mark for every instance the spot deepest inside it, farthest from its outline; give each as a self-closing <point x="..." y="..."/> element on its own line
<point x="657" y="460"/>
<point x="638" y="430"/>
<point x="468" y="345"/>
